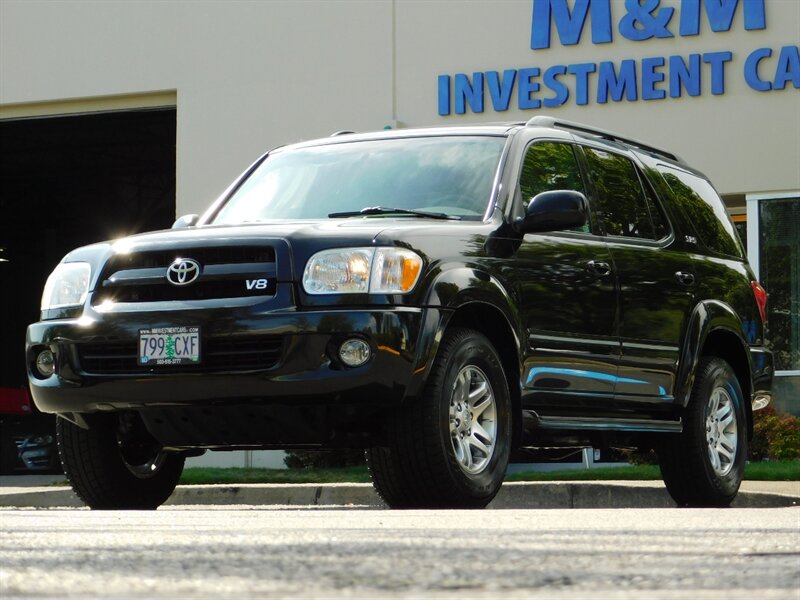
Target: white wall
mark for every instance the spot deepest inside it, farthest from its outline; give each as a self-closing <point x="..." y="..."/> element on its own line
<point x="248" y="76"/>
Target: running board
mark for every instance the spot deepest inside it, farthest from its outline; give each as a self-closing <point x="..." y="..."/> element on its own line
<point x="609" y="424"/>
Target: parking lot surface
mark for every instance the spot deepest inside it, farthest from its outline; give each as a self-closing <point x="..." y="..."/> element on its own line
<point x="334" y="552"/>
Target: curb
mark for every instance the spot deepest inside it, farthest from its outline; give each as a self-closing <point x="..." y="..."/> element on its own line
<point x="513" y="495"/>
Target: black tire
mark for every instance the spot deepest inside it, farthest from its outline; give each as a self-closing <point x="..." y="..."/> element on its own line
<point x="95" y="464"/>
<point x="420" y="466"/>
<point x="687" y="459"/>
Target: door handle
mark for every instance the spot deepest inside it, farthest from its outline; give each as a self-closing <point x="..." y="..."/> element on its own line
<point x="685" y="278"/>
<point x="598" y="267"/>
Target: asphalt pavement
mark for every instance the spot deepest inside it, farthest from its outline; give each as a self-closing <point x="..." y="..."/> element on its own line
<point x="44" y="492"/>
<point x="242" y="552"/>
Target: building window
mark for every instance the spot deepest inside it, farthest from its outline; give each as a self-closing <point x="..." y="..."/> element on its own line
<point x="779" y="261"/>
<point x="773" y="246"/>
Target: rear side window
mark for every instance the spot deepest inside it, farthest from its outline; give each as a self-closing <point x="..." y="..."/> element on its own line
<point x="703" y="208"/>
<point x="626" y="207"/>
<point x="550" y="166"/>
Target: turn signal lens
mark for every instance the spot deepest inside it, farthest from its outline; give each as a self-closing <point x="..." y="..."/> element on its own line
<point x="395" y="271"/>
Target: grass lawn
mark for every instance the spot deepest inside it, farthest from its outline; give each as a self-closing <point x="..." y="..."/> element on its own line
<point x="763" y="471"/>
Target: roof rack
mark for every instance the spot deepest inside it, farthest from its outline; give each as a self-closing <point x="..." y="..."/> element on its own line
<point x="343" y="132"/>
<point x="544" y="121"/>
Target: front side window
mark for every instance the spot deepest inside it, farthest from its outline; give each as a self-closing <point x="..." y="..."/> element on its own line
<point x="452" y="175"/>
<point x="625" y="209"/>
<point x="550" y="166"/>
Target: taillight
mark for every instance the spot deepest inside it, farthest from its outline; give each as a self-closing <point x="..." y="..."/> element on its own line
<point x="761" y="299"/>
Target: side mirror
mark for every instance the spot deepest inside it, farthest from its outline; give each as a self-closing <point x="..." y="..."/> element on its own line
<point x="556" y="210"/>
<point x="186" y="221"/>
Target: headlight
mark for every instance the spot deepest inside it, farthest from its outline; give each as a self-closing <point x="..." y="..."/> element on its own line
<point x="362" y="271"/>
<point x="67" y="285"/>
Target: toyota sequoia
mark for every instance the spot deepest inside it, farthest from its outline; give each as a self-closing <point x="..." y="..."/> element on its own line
<point x="443" y="298"/>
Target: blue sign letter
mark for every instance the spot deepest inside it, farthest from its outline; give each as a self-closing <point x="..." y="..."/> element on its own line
<point x="681" y="76"/>
<point x="581" y="72"/>
<point x="720" y="15"/>
<point x="569" y="24"/>
<point x="645" y="21"/>
<point x="607" y="81"/>
<point x="717" y="61"/>
<point x="751" y="70"/>
<point x="552" y="82"/>
<point x="788" y="68"/>
<point x="444" y="95"/>
<point x="526" y="87"/>
<point x="467" y="92"/>
<point x="500" y="92"/>
<point x="650" y="77"/>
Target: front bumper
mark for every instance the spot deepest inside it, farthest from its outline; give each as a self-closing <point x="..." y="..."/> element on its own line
<point x="306" y="370"/>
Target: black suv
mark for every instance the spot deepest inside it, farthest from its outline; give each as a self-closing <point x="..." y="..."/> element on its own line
<point x="444" y="298"/>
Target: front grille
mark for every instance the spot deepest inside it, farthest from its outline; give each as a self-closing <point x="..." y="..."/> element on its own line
<point x="216" y="355"/>
<point x="211" y="255"/>
<point x="226" y="272"/>
<point x="201" y="290"/>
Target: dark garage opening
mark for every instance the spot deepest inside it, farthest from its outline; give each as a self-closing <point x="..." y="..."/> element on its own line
<point x="66" y="182"/>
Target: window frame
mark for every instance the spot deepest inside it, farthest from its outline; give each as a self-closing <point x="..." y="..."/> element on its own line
<point x="647" y="188"/>
<point x="519" y="202"/>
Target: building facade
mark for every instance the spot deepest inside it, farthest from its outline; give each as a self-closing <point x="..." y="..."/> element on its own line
<point x="715" y="81"/>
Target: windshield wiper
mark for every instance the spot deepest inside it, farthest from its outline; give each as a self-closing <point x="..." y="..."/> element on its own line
<point x="384" y="210"/>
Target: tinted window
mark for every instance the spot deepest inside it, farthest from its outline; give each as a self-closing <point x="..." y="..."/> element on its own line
<point x="660" y="226"/>
<point x="453" y="175"/>
<point x="624" y="208"/>
<point x="703" y="208"/>
<point x="550" y="166"/>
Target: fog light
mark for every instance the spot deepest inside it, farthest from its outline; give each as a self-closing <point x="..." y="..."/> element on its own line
<point x="46" y="363"/>
<point x="354" y="352"/>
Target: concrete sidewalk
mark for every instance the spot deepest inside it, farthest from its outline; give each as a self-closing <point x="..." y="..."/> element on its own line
<point x="567" y="494"/>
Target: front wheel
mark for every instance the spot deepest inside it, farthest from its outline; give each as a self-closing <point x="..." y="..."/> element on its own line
<point x="704" y="465"/>
<point x="116" y="464"/>
<point x="449" y="448"/>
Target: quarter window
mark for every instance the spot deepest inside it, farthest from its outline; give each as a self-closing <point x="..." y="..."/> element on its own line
<point x="704" y="209"/>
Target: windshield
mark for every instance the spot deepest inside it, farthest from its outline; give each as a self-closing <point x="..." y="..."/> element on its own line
<point x="450" y="175"/>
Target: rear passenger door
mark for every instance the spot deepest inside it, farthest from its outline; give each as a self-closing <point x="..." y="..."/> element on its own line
<point x="654" y="277"/>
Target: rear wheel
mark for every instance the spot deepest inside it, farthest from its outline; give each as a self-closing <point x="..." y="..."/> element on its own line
<point x="704" y="465"/>
<point x="116" y="463"/>
<point x="449" y="448"/>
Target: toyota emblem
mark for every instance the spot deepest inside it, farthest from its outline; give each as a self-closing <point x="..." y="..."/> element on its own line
<point x="183" y="271"/>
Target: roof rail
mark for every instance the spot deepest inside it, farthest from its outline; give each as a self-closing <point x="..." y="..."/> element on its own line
<point x="544" y="121"/>
<point x="343" y="132"/>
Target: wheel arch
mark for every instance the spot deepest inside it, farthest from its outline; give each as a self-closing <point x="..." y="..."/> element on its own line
<point x="472" y="298"/>
<point x="716" y="330"/>
<point x="488" y="320"/>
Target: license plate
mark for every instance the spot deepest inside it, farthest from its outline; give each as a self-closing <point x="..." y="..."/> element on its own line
<point x="169" y="346"/>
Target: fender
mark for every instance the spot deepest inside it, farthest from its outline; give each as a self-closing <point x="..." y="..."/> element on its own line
<point x="454" y="289"/>
<point x="707" y="317"/>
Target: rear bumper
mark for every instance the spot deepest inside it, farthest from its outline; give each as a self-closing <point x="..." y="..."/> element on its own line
<point x="763" y="371"/>
<point x="306" y="369"/>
